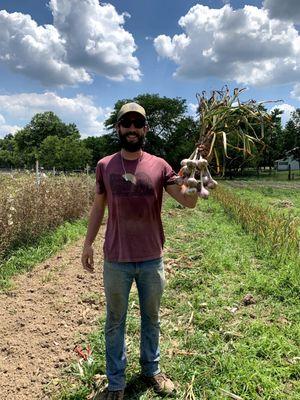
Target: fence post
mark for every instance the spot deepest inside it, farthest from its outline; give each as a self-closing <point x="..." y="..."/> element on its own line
<point x="37" y="173"/>
<point x="289" y="175"/>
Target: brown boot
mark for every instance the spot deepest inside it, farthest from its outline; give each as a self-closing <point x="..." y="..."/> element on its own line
<point x="161" y="384"/>
<point x="110" y="395"/>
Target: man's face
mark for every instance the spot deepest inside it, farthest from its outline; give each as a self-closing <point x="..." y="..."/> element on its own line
<point x="132" y="130"/>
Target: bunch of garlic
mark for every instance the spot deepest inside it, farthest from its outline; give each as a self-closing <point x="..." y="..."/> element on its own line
<point x="194" y="174"/>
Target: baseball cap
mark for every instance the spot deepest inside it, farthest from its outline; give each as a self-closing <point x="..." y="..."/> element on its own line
<point x="131" y="107"/>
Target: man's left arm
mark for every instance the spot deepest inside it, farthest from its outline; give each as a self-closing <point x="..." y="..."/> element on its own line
<point x="178" y="193"/>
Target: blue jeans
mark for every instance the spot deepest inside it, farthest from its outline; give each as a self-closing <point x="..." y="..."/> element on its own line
<point x="118" y="279"/>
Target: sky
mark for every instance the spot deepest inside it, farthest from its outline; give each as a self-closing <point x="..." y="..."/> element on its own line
<point x="77" y="58"/>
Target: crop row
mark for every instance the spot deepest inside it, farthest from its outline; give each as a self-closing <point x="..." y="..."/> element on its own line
<point x="276" y="231"/>
<point x="27" y="209"/>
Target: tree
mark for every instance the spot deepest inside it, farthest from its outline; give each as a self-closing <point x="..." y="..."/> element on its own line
<point x="50" y="152"/>
<point x="42" y="125"/>
<point x="101" y="146"/>
<point x="182" y="141"/>
<point x="273" y="141"/>
<point x="67" y="153"/>
<point x="74" y="154"/>
<point x="291" y="134"/>
<point x="8" y="155"/>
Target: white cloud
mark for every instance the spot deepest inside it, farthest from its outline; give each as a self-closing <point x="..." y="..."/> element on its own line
<point x="86" y="38"/>
<point x="287" y="111"/>
<point x="36" y="51"/>
<point x="81" y="110"/>
<point x="193" y="108"/>
<point x="101" y="44"/>
<point x="284" y="10"/>
<point x="6" y="129"/>
<point x="243" y="45"/>
<point x="296" y="91"/>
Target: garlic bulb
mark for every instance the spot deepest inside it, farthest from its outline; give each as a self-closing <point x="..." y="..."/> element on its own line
<point x="204" y="193"/>
<point x="191" y="164"/>
<point x="195" y="175"/>
<point x="212" y="184"/>
<point x="184" y="162"/>
<point x="192" y="182"/>
<point x="205" y="180"/>
<point x="201" y="163"/>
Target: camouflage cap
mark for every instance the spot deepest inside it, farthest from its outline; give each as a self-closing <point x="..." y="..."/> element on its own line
<point x="131" y="107"/>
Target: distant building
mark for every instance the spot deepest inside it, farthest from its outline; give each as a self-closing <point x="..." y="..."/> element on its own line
<point x="283" y="164"/>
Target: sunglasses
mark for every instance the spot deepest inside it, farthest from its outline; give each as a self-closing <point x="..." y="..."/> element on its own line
<point x="137" y="123"/>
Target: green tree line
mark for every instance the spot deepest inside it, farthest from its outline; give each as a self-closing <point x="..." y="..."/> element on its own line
<point x="172" y="135"/>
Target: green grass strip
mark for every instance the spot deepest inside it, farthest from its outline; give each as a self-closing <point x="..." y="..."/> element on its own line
<point x="25" y="258"/>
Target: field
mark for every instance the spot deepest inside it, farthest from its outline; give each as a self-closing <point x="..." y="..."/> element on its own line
<point x="278" y="195"/>
<point x="230" y="316"/>
<point x="29" y="210"/>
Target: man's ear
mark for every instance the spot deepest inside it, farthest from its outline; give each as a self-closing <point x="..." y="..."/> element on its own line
<point x="117" y="127"/>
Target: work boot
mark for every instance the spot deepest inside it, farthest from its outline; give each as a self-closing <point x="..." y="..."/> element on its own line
<point x="161" y="384"/>
<point x="110" y="395"/>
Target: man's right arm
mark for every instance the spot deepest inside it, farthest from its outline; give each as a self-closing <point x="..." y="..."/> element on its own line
<point x="95" y="220"/>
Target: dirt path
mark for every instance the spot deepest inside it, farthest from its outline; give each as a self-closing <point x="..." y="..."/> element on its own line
<point x="50" y="310"/>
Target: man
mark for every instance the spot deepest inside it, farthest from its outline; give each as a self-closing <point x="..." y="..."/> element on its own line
<point x="131" y="184"/>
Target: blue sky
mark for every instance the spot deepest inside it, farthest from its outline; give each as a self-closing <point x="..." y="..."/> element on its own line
<point x="78" y="57"/>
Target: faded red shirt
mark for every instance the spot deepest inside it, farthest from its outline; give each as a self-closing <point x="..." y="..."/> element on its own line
<point x="134" y="229"/>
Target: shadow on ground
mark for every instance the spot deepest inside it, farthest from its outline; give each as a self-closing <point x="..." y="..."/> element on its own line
<point x="135" y="388"/>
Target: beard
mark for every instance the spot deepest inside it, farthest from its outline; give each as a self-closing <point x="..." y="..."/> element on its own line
<point x="131" y="146"/>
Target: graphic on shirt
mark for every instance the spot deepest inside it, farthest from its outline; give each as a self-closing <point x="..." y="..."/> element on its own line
<point x="143" y="185"/>
<point x="129" y="178"/>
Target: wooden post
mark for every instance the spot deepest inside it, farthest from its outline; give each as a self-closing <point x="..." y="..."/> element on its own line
<point x="37" y="173"/>
<point x="289" y="175"/>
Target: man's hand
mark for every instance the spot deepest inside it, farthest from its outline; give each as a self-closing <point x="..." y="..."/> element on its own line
<point x="87" y="258"/>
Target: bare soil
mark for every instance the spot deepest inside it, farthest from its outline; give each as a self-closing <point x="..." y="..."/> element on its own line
<point x="49" y="311"/>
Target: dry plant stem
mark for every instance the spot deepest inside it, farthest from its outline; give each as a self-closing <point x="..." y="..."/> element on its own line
<point x="231" y="395"/>
<point x="189" y="392"/>
<point x="191" y="318"/>
<point x="225" y="121"/>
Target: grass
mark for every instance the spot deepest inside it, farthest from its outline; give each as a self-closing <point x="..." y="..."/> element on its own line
<point x="25" y="258"/>
<point x="267" y="175"/>
<point x="213" y="343"/>
<point x="279" y="196"/>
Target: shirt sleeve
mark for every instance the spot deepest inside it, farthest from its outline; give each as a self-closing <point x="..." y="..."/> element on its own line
<point x="169" y="175"/>
<point x="100" y="187"/>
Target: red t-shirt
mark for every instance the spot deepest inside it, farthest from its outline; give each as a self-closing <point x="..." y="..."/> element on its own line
<point x="134" y="229"/>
